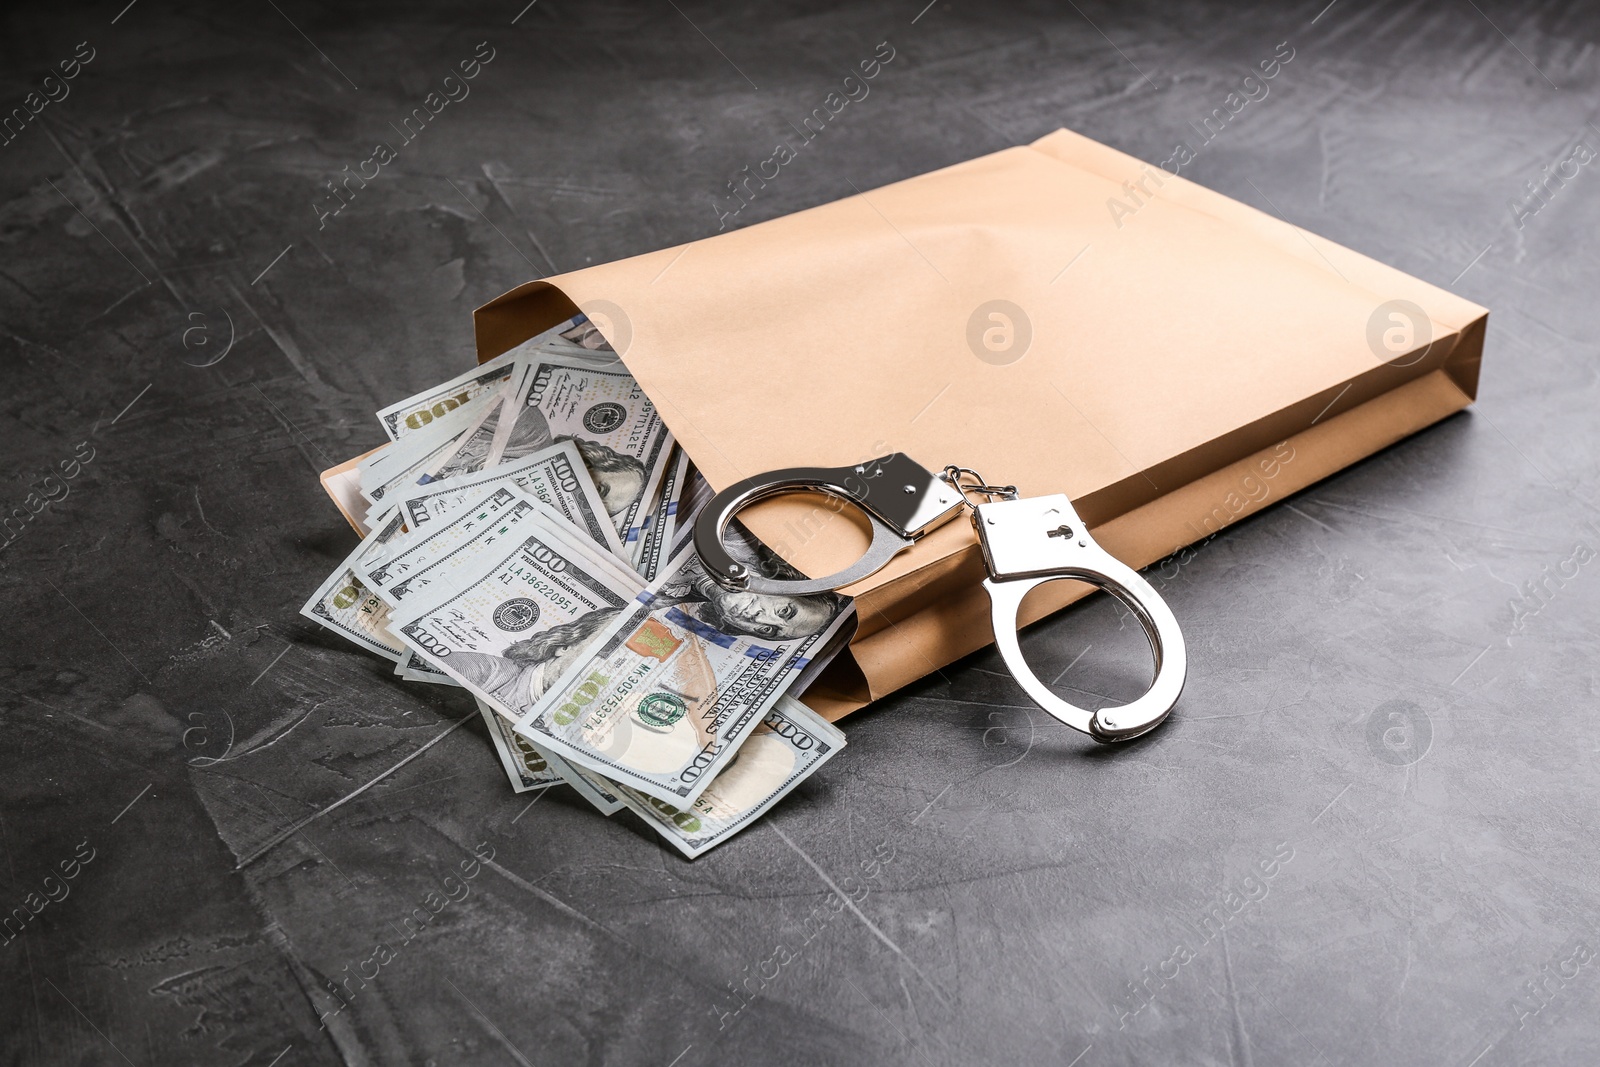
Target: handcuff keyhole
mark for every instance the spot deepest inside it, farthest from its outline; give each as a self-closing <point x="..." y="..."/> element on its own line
<point x="1060" y="531"/>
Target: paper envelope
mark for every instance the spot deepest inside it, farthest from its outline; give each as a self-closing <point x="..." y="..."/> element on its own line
<point x="1172" y="364"/>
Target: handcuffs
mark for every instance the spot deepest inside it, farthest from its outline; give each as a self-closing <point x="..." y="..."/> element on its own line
<point x="1026" y="542"/>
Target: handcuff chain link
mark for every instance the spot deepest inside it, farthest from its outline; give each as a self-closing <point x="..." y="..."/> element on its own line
<point x="954" y="475"/>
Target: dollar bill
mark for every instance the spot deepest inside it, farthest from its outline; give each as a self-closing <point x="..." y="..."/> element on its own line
<point x="526" y="768"/>
<point x="437" y="556"/>
<point x="397" y="479"/>
<point x="786" y="749"/>
<point x="556" y="476"/>
<point x="820" y="658"/>
<point x="677" y="680"/>
<point x="506" y="616"/>
<point x="565" y="352"/>
<point x="446" y="459"/>
<point x="533" y="353"/>
<point x="591" y="787"/>
<point x="389" y="569"/>
<point x="384" y="484"/>
<point x="602" y="357"/>
<point x="423" y="446"/>
<point x="601" y="407"/>
<point x="346" y="606"/>
<point x="659" y="523"/>
<point x="453" y="445"/>
<point x="420" y="410"/>
<point x="697" y="493"/>
<point x="372" y="460"/>
<point x="471" y="451"/>
<point x="635" y="537"/>
<point x="584" y="334"/>
<point x="416" y="669"/>
<point x="413" y="668"/>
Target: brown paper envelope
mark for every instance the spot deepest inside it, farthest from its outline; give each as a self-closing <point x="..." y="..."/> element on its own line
<point x="1177" y="353"/>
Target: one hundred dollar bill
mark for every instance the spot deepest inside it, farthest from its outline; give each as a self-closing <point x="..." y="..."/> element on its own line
<point x="419" y="411"/>
<point x="437" y="568"/>
<point x="454" y="445"/>
<point x="820" y="658"/>
<point x="696" y="494"/>
<point x="526" y="768"/>
<point x="471" y="452"/>
<point x="430" y="563"/>
<point x="601" y="407"/>
<point x="641" y="537"/>
<point x="659" y="523"/>
<point x="386" y="484"/>
<point x="556" y="476"/>
<point x="558" y="350"/>
<point x="786" y="749"/>
<point x="413" y="668"/>
<point x="635" y="537"/>
<point x="676" y="681"/>
<point x="425" y="446"/>
<point x="591" y="787"/>
<point x="346" y="606"/>
<point x="506" y="616"/>
<point x="394" y="570"/>
<point x="405" y="474"/>
<point x="583" y="333"/>
<point x="416" y="669"/>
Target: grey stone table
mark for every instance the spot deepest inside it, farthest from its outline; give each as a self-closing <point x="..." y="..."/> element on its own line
<point x="1365" y="837"/>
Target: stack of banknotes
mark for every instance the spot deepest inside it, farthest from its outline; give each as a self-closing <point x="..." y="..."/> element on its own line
<point x="529" y="539"/>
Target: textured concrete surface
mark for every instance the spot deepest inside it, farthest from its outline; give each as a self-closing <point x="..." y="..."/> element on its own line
<point x="1366" y="836"/>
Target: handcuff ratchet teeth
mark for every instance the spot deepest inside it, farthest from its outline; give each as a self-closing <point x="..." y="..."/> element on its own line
<point x="1026" y="541"/>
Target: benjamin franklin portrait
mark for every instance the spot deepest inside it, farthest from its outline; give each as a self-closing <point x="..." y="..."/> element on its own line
<point x="740" y="612"/>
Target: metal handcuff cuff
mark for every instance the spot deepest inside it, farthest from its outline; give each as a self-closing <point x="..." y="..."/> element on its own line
<point x="1026" y="542"/>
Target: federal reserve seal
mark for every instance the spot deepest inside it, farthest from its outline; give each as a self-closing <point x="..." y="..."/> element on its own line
<point x="660" y="710"/>
<point x="518" y="614"/>
<point x="603" y="418"/>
